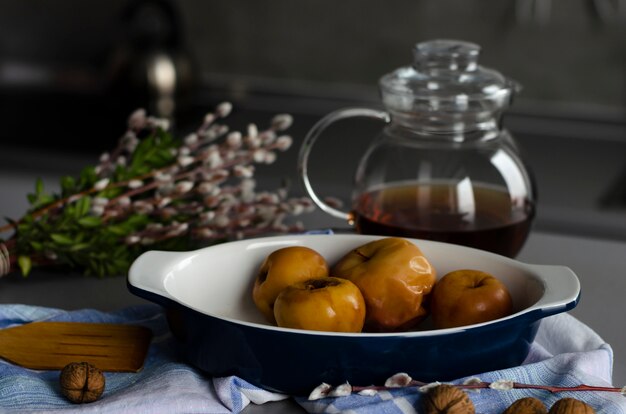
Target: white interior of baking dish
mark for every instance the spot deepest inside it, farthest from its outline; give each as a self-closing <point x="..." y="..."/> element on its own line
<point x="218" y="280"/>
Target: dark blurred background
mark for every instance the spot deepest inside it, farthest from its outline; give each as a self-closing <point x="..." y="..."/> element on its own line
<point x="71" y="71"/>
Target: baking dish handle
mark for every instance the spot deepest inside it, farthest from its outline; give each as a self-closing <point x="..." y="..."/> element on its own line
<point x="147" y="276"/>
<point x="561" y="290"/>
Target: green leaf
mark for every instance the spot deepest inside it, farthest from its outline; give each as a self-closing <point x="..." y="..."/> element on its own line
<point x="38" y="246"/>
<point x="138" y="220"/>
<point x="162" y="156"/>
<point x="90" y="221"/>
<point x="88" y="177"/>
<point x="27" y="219"/>
<point x="40" y="200"/>
<point x="79" y="246"/>
<point x="153" y="152"/>
<point x="82" y="206"/>
<point x="68" y="184"/>
<point x="38" y="186"/>
<point x="23" y="227"/>
<point x="61" y="239"/>
<point x="110" y="192"/>
<point x="117" y="230"/>
<point x="25" y="264"/>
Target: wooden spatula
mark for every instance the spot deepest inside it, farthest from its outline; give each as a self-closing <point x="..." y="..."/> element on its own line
<point x="52" y="345"/>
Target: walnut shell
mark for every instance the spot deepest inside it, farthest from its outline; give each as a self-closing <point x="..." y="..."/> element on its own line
<point x="447" y="399"/>
<point x="81" y="382"/>
<point x="527" y="405"/>
<point x="571" y="406"/>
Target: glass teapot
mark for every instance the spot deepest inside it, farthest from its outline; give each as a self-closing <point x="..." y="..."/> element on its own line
<point x="442" y="168"/>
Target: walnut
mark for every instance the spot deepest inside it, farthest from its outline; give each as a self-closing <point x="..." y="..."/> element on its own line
<point x="527" y="405"/>
<point x="447" y="399"/>
<point x="81" y="382"/>
<point x="571" y="406"/>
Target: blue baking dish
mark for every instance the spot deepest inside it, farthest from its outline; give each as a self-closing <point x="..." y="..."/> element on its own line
<point x="208" y="297"/>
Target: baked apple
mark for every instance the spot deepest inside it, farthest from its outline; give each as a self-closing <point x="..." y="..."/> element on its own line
<point x="326" y="304"/>
<point x="282" y="268"/>
<point x="465" y="297"/>
<point x="394" y="278"/>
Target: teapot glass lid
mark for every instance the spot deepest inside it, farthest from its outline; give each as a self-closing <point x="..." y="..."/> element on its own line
<point x="445" y="75"/>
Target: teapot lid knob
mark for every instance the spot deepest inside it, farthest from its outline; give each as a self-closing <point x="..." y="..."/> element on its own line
<point x="446" y="54"/>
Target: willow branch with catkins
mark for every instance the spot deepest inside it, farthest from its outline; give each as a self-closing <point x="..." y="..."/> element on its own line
<point x="403" y="380"/>
<point x="156" y="191"/>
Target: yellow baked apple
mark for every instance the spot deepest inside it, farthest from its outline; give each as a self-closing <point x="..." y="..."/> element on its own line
<point x="282" y="268"/>
<point x="327" y="304"/>
<point x="466" y="296"/>
<point x="394" y="278"/>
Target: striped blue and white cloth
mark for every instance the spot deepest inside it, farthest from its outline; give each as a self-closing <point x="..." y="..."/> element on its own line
<point x="566" y="352"/>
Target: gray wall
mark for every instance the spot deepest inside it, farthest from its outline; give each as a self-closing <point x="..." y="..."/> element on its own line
<point x="569" y="55"/>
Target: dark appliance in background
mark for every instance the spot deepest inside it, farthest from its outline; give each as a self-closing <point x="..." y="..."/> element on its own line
<point x="81" y="103"/>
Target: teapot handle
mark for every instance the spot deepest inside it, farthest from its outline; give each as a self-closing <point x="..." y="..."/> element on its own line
<point x="313" y="135"/>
